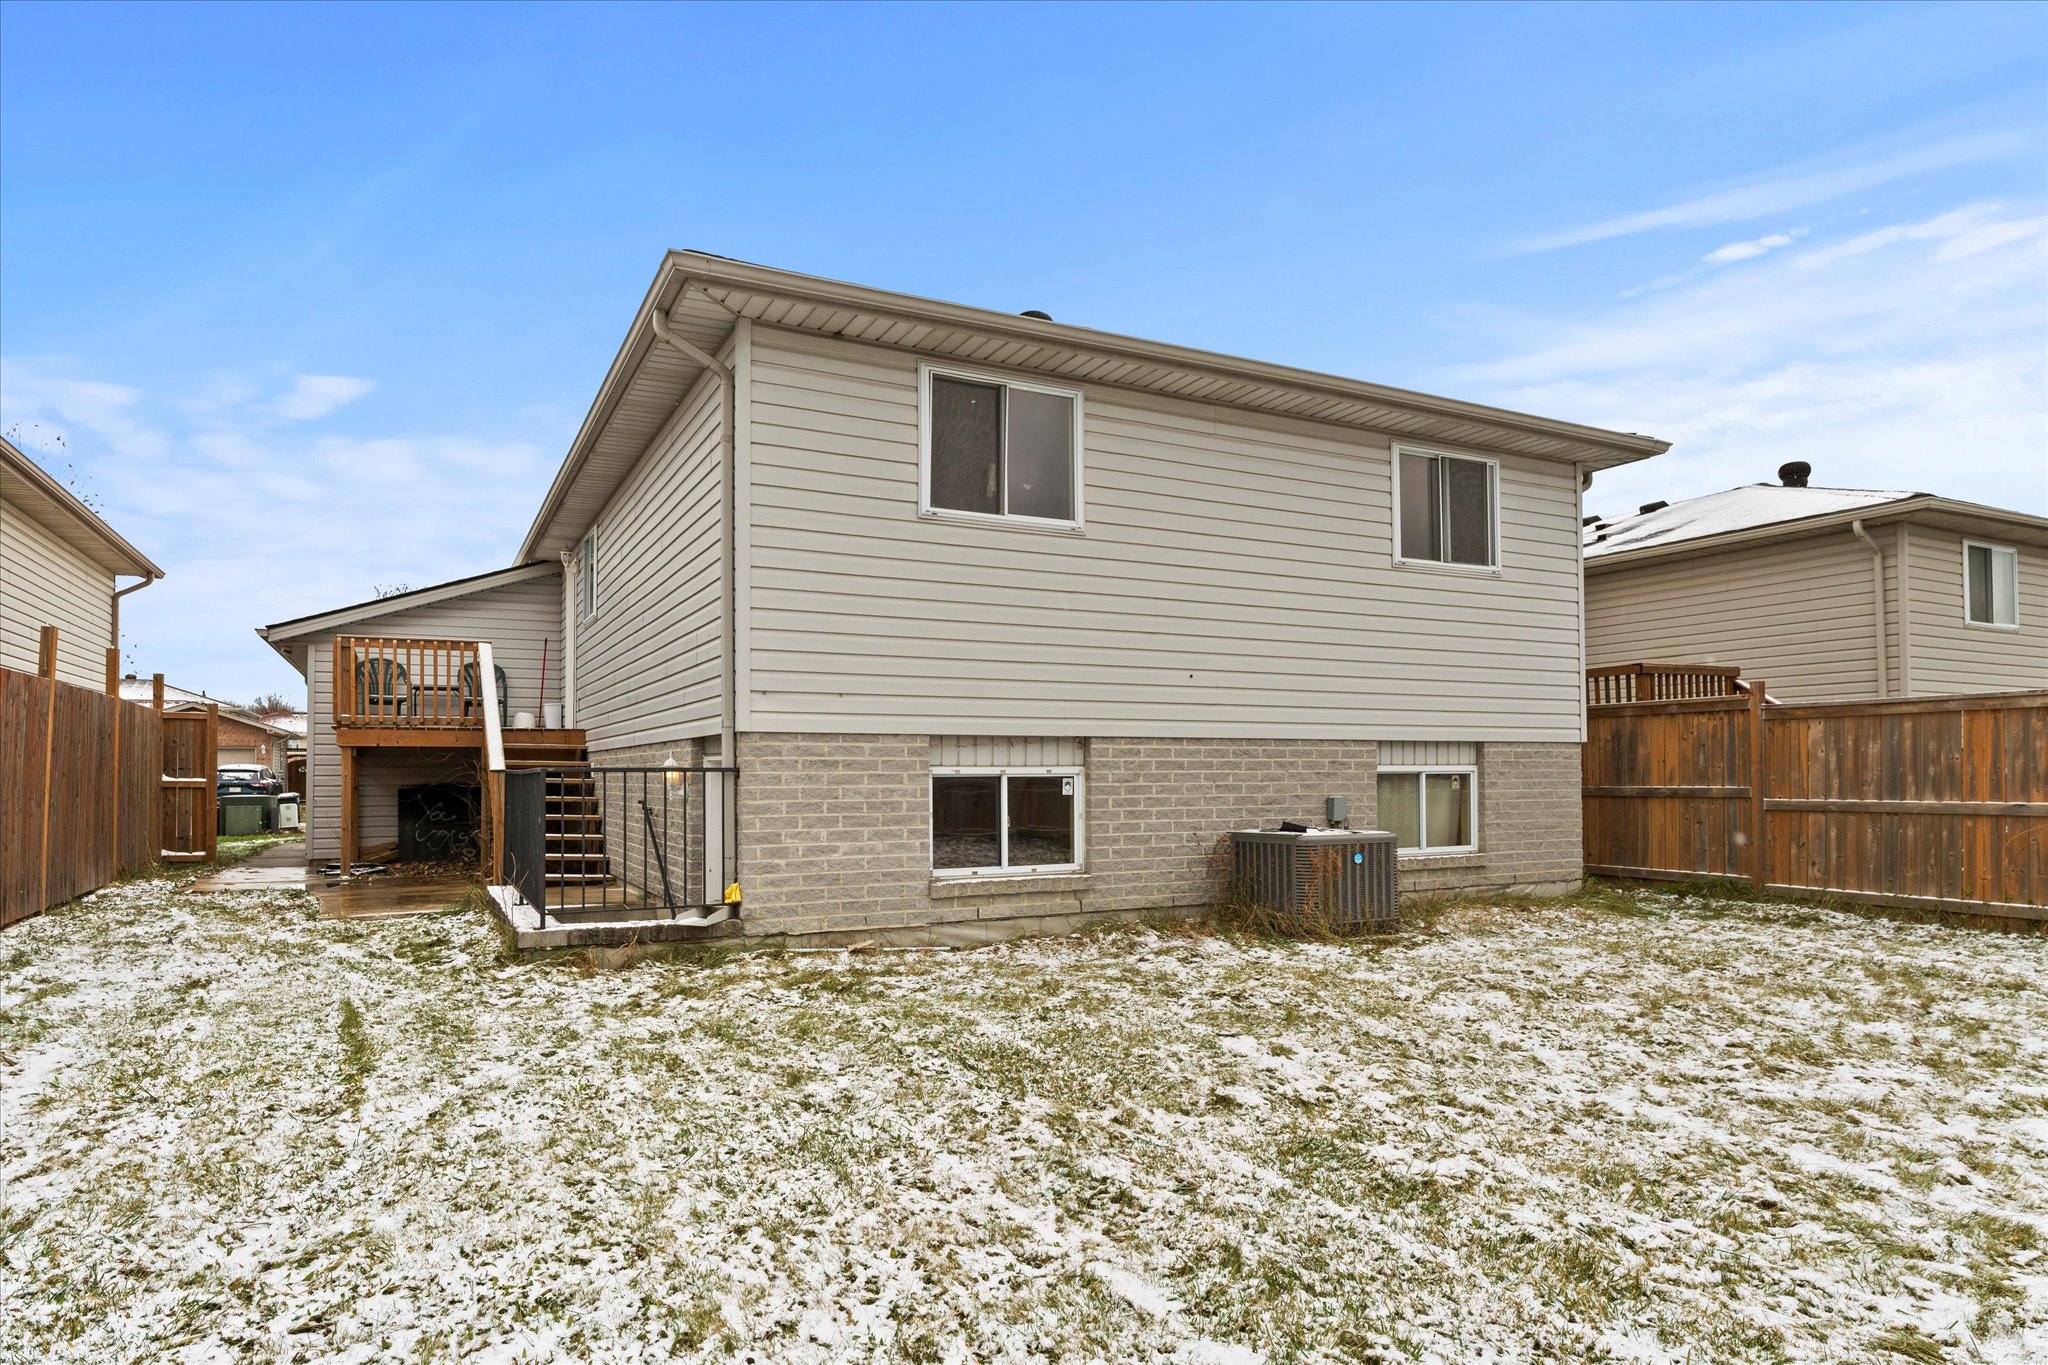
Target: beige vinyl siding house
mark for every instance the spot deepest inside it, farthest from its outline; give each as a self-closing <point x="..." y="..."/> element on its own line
<point x="518" y="611"/>
<point x="59" y="566"/>
<point x="1780" y="583"/>
<point x="1215" y="631"/>
<point x="1004" y="622"/>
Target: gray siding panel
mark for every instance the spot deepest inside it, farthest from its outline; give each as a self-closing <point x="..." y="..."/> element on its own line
<point x="649" y="663"/>
<point x="1796" y="614"/>
<point x="45" y="582"/>
<point x="1234" y="580"/>
<point x="1952" y="655"/>
<point x="517" y="619"/>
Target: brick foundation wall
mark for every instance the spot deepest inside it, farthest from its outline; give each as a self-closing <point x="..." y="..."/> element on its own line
<point x="834" y="829"/>
<point x="1529" y="837"/>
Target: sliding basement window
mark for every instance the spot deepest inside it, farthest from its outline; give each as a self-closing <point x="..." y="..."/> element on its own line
<point x="1005" y="821"/>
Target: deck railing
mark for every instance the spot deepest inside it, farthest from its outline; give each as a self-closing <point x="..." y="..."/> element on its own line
<point x="410" y="684"/>
<point x="1623" y="683"/>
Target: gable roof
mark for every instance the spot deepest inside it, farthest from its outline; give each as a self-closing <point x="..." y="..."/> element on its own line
<point x="281" y="631"/>
<point x="703" y="295"/>
<point x="27" y="485"/>
<point x="1766" y="511"/>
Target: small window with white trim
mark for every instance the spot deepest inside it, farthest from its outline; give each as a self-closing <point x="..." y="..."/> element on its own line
<point x="1991" y="584"/>
<point x="586" y="578"/>
<point x="999" y="448"/>
<point x="1447" y="509"/>
<point x="1430" y="810"/>
<point x="1005" y="821"/>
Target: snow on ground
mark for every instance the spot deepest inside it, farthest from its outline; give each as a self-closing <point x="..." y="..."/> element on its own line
<point x="1647" y="1128"/>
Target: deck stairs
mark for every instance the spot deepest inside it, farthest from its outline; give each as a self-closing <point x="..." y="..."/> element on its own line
<point x="575" y="847"/>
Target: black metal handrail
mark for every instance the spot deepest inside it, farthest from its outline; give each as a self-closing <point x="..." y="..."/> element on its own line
<point x="588" y="842"/>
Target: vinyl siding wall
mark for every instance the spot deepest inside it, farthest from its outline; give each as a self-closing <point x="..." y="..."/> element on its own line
<point x="45" y="582"/>
<point x="648" y="664"/>
<point x="516" y="618"/>
<point x="1234" y="580"/>
<point x="1796" y="614"/>
<point x="1949" y="654"/>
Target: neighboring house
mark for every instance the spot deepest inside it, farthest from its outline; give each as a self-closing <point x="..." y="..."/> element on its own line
<point x="59" y="566"/>
<point x="243" y="736"/>
<point x="1002" y="619"/>
<point x="1825" y="593"/>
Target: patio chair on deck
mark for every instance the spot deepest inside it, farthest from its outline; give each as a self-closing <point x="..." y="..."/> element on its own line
<point x="471" y="691"/>
<point x="383" y="688"/>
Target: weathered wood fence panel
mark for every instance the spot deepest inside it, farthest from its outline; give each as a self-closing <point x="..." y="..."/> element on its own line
<point x="1940" y="803"/>
<point x="190" y="799"/>
<point x="78" y="779"/>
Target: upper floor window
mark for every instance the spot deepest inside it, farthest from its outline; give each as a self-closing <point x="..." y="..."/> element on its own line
<point x="999" y="448"/>
<point x="1991" y="584"/>
<point x="1447" y="509"/>
<point x="586" y="578"/>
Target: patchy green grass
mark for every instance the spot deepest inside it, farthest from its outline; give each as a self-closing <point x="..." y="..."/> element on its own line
<point x="1632" y="1125"/>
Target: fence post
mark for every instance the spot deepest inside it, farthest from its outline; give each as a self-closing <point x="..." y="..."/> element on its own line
<point x="46" y="665"/>
<point x="211" y="794"/>
<point x="46" y="652"/>
<point x="113" y="671"/>
<point x="156" y="690"/>
<point x="1759" y="770"/>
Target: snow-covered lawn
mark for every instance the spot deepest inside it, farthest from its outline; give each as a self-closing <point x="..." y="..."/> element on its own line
<point x="1644" y="1128"/>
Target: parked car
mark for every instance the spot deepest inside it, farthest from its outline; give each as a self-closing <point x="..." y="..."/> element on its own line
<point x="247" y="779"/>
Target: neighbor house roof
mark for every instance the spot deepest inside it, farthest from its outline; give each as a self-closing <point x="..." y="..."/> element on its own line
<point x="184" y="699"/>
<point x="28" y="486"/>
<point x="1765" y="511"/>
<point x="702" y="295"/>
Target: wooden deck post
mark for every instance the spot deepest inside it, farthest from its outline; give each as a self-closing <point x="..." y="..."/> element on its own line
<point x="348" y="809"/>
<point x="1759" y="776"/>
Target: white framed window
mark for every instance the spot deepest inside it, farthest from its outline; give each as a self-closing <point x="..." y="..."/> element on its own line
<point x="1005" y="821"/>
<point x="1991" y="585"/>
<point x="1000" y="449"/>
<point x="586" y="577"/>
<point x="1446" y="509"/>
<point x="1431" y="810"/>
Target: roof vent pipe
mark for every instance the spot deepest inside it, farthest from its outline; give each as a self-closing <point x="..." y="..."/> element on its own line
<point x="1041" y="315"/>
<point x="1794" y="473"/>
<point x="1650" y="507"/>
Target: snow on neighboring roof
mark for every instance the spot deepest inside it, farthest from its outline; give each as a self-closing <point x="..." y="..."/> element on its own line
<point x="293" y="723"/>
<point x="1738" y="509"/>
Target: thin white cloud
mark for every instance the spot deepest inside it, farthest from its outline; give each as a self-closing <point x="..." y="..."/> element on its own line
<point x="251" y="530"/>
<point x="1791" y="188"/>
<point x="316" y="395"/>
<point x="1750" y="250"/>
<point x="1909" y="356"/>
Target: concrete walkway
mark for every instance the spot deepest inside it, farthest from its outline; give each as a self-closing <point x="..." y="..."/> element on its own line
<point x="283" y="868"/>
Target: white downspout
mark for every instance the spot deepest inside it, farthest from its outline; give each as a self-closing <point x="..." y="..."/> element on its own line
<point x="568" y="640"/>
<point x="1884" y="688"/>
<point x="728" y="755"/>
<point x="120" y="593"/>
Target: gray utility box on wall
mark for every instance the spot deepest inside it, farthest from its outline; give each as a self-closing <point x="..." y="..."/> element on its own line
<point x="1350" y="873"/>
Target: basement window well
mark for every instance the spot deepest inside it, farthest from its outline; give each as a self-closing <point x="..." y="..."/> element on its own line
<point x="1005" y="821"/>
<point x="996" y="448"/>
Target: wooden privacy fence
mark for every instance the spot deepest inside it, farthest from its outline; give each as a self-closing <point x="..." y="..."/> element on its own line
<point x="1941" y="803"/>
<point x="83" y="794"/>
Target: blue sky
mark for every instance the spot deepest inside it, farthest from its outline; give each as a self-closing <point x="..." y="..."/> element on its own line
<point x="316" y="296"/>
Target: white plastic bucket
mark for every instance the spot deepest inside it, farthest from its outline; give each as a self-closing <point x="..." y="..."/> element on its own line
<point x="551" y="715"/>
<point x="522" y="720"/>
